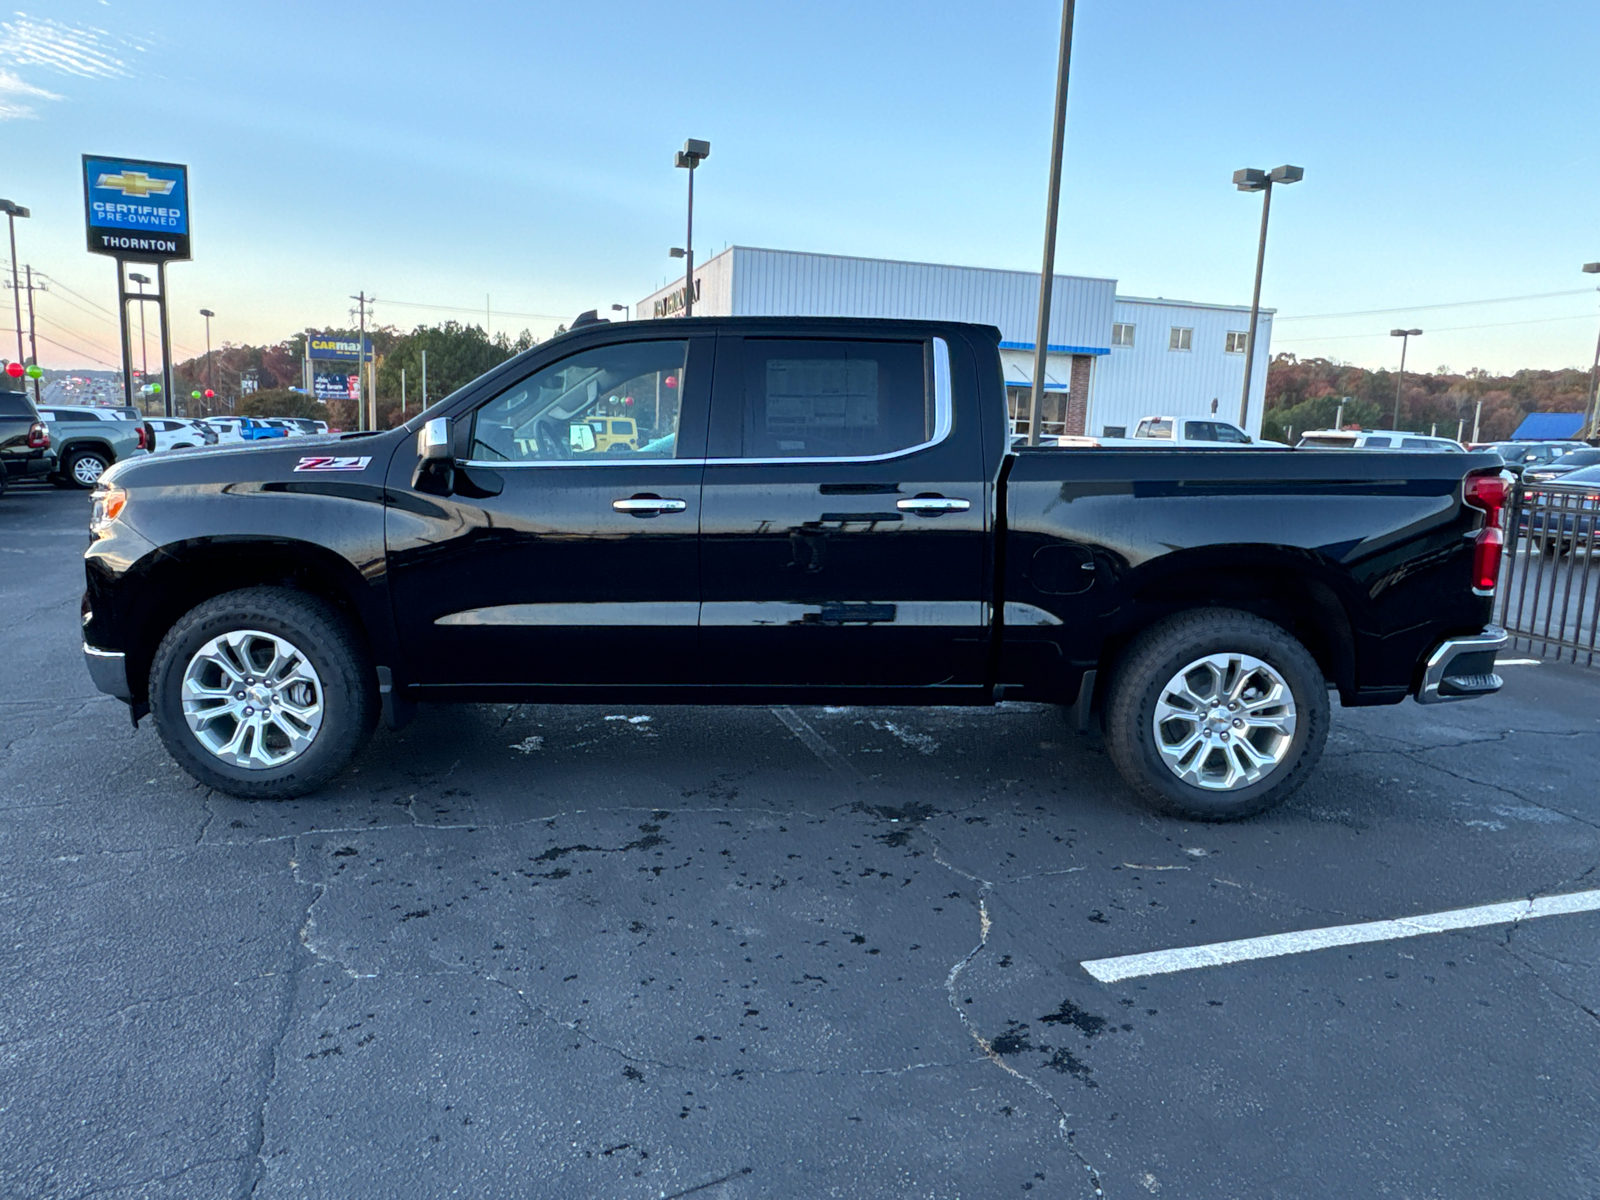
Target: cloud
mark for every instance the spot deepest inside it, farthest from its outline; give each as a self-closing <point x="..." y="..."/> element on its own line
<point x="73" y="50"/>
<point x="14" y="91"/>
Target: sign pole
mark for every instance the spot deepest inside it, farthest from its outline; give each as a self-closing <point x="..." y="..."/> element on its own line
<point x="166" y="343"/>
<point x="127" y="346"/>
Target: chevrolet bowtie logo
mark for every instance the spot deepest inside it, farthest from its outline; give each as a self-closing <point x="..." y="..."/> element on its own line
<point x="137" y="183"/>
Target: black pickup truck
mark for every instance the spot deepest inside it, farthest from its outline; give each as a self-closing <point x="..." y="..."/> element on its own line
<point x="796" y="511"/>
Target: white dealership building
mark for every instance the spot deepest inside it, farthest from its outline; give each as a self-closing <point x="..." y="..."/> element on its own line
<point x="1112" y="359"/>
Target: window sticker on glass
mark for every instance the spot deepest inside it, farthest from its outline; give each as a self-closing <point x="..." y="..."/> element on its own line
<point x="828" y="399"/>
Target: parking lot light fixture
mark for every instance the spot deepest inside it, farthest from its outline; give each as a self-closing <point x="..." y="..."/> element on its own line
<point x="1594" y="371"/>
<point x="694" y="152"/>
<point x="625" y="309"/>
<point x="1405" y="336"/>
<point x="1250" y="179"/>
<point x="208" y="314"/>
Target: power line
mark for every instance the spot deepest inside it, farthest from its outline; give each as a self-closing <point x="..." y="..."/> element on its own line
<point x="1376" y="312"/>
<point x="503" y="312"/>
<point x="77" y="350"/>
<point x="1345" y="337"/>
<point x="111" y="314"/>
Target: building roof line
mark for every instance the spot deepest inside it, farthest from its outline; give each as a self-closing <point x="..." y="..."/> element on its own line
<point x="907" y="262"/>
<point x="1244" y="308"/>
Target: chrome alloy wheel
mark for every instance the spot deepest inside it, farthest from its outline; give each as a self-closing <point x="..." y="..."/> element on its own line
<point x="1224" y="721"/>
<point x="252" y="699"/>
<point x="87" y="469"/>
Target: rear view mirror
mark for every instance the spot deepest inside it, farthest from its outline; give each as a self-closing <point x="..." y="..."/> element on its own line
<point x="581" y="437"/>
<point x="433" y="440"/>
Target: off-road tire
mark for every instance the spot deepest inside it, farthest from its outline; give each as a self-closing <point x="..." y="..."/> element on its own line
<point x="335" y="651"/>
<point x="1158" y="654"/>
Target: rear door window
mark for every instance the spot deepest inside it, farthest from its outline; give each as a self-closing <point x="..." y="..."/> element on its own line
<point x="1376" y="443"/>
<point x="806" y="398"/>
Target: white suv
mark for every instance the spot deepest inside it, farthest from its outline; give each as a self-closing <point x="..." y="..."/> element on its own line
<point x="1372" y="439"/>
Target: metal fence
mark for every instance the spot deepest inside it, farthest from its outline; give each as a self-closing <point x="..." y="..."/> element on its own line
<point x="1549" y="589"/>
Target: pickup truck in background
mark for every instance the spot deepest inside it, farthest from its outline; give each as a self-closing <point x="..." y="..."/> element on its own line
<point x="89" y="440"/>
<point x="25" y="451"/>
<point x="811" y="511"/>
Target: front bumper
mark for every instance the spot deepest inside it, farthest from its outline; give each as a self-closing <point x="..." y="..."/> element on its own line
<point x="109" y="670"/>
<point x="1462" y="668"/>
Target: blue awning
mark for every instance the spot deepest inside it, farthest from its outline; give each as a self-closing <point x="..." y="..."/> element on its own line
<point x="1549" y="427"/>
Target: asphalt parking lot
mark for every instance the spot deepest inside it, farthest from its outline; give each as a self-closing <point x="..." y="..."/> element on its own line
<point x="727" y="953"/>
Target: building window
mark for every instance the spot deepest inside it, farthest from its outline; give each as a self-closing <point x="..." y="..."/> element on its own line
<point x="1236" y="341"/>
<point x="1181" y="339"/>
<point x="1121" y="335"/>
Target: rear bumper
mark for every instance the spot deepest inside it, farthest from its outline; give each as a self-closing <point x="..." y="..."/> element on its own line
<point x="1462" y="668"/>
<point x="109" y="670"/>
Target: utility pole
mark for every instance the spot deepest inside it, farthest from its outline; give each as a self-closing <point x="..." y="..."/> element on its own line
<point x="402" y="393"/>
<point x="424" y="379"/>
<point x="1477" y="418"/>
<point x="1047" y="274"/>
<point x="33" y="341"/>
<point x="361" y="359"/>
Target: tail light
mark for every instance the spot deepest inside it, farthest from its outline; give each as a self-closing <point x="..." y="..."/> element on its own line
<point x="1489" y="494"/>
<point x="144" y="439"/>
<point x="38" y="436"/>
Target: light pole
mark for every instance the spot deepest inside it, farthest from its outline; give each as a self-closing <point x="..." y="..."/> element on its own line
<point x="694" y="153"/>
<point x="625" y="309"/>
<point x="1251" y="180"/>
<point x="1405" y="336"/>
<point x="1594" y="371"/>
<point x="144" y="346"/>
<point x="1047" y="272"/>
<point x="208" y="314"/>
<point x="13" y="211"/>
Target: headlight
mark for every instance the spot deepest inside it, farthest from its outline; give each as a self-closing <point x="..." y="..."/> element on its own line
<point x="108" y="506"/>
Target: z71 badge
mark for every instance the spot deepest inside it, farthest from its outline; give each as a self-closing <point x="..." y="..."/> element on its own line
<point x="334" y="464"/>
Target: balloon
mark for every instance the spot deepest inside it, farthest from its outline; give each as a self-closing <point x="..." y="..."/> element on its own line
<point x="35" y="371"/>
<point x="194" y="395"/>
<point x="209" y="393"/>
<point x="15" y="370"/>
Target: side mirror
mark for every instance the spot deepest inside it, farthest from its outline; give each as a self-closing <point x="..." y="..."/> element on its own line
<point x="434" y="442"/>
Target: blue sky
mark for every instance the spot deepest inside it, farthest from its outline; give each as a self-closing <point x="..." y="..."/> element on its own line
<point x="438" y="154"/>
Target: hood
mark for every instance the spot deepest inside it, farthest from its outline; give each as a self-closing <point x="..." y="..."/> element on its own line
<point x="251" y="462"/>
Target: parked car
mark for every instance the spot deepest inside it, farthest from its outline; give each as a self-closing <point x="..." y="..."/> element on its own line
<point x="1190" y="431"/>
<point x="298" y="425"/>
<point x="1563" y="513"/>
<point x="1373" y="439"/>
<point x="25" y="449"/>
<point x="1562" y="466"/>
<point x="181" y="433"/>
<point x="1519" y="456"/>
<point x="836" y="518"/>
<point x="241" y="430"/>
<point x="88" y="440"/>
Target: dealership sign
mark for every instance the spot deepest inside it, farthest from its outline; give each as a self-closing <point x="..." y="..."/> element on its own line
<point x="338" y="349"/>
<point x="337" y="387"/>
<point x="136" y="209"/>
<point x="672" y="303"/>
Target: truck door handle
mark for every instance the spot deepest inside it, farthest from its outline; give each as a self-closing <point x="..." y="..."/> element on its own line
<point x="648" y="506"/>
<point x="932" y="506"/>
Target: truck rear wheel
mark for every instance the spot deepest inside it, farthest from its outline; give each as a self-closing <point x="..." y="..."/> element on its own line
<point x="1216" y="715"/>
<point x="263" y="693"/>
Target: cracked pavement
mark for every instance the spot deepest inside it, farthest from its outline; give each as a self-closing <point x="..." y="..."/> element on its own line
<point x="727" y="953"/>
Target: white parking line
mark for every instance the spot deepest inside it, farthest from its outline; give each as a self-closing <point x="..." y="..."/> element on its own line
<point x="1165" y="962"/>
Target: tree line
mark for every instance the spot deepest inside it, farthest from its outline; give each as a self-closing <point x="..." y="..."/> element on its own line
<point x="1305" y="393"/>
<point x="457" y="354"/>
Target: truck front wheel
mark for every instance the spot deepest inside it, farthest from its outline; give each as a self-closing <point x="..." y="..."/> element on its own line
<point x="1216" y="714"/>
<point x="263" y="693"/>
